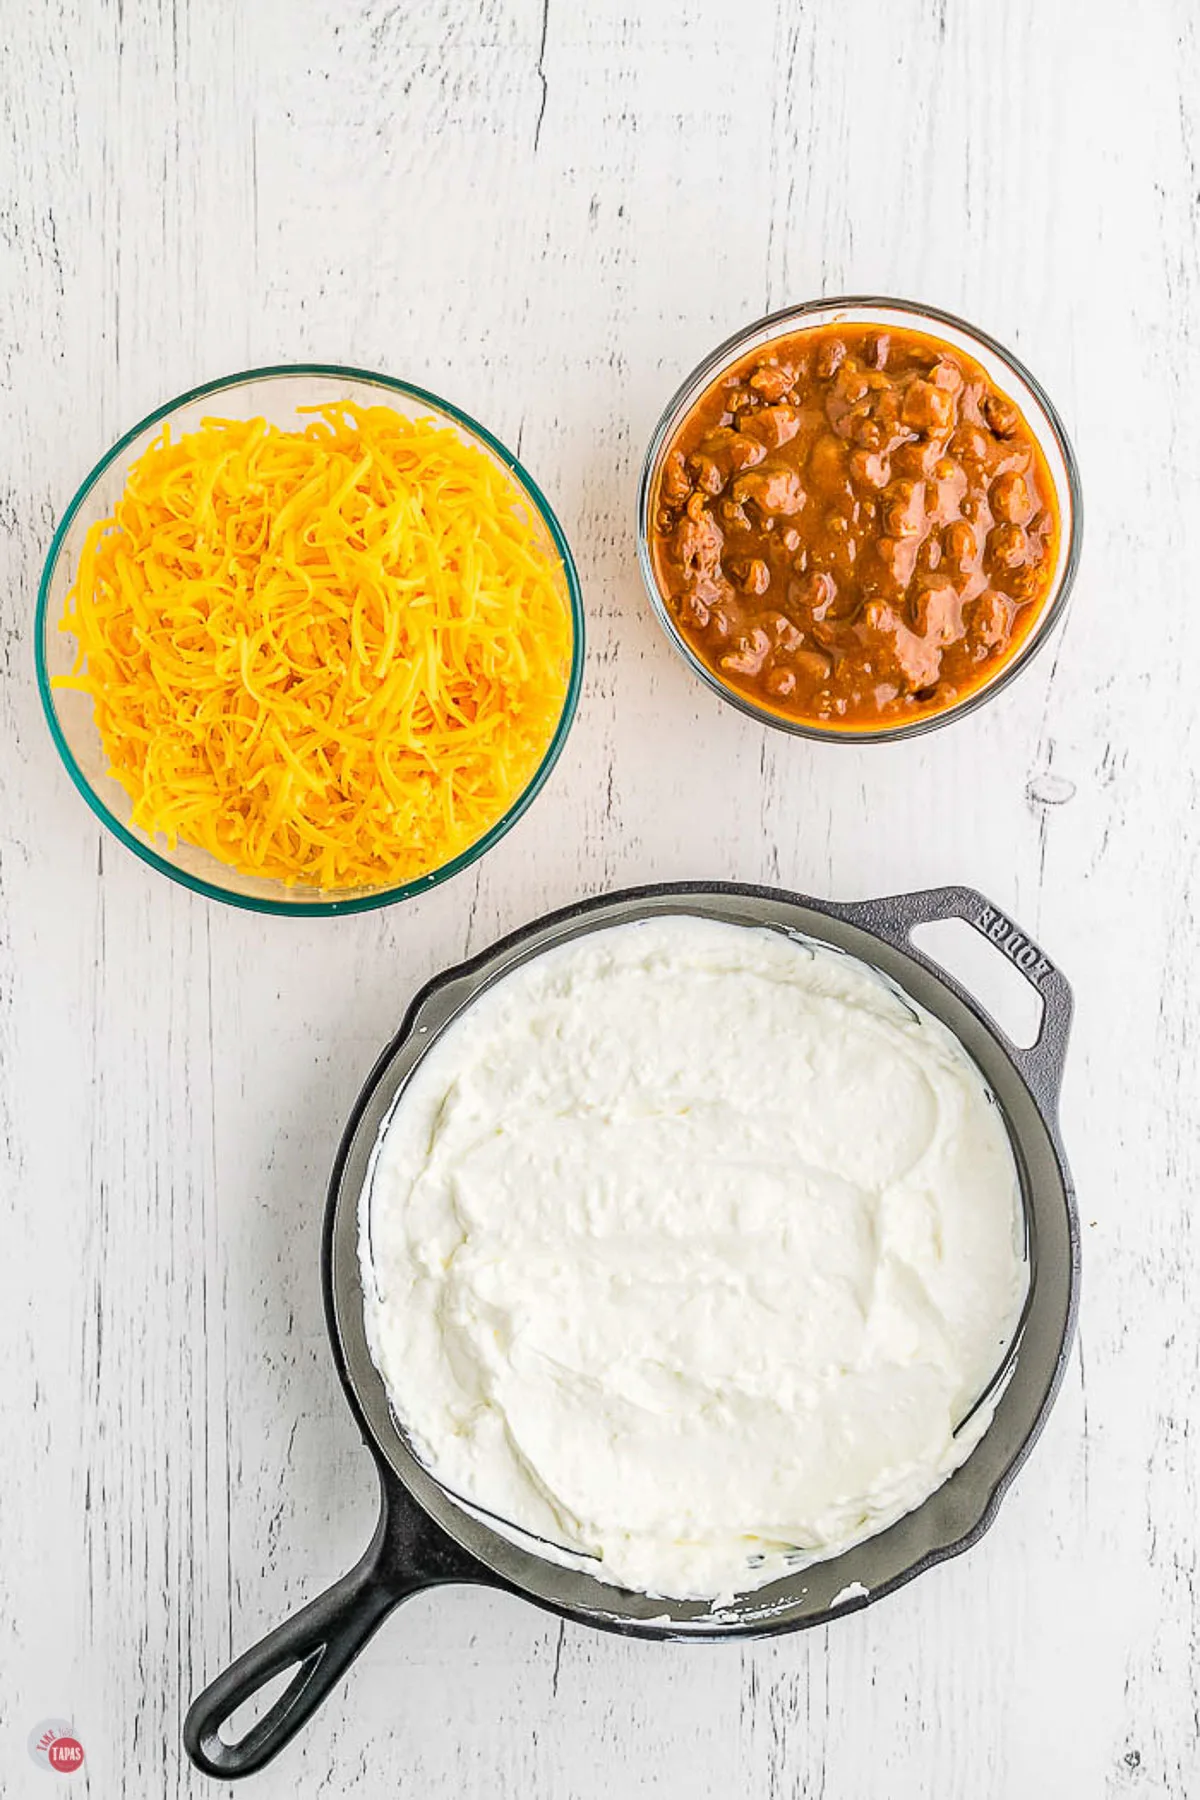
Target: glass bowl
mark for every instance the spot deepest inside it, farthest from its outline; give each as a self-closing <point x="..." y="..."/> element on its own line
<point x="1001" y="367"/>
<point x="275" y="394"/>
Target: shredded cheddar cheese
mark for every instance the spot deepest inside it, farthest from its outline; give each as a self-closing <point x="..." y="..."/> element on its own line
<point x="333" y="655"/>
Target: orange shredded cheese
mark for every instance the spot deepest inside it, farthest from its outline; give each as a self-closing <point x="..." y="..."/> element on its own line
<point x="333" y="655"/>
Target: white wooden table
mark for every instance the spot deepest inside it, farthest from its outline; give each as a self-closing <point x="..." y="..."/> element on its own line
<point x="548" y="211"/>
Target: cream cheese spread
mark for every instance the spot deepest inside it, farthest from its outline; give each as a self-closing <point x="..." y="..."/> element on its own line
<point x="686" y="1249"/>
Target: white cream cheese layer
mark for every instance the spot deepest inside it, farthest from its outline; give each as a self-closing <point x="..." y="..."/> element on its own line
<point x="687" y="1248"/>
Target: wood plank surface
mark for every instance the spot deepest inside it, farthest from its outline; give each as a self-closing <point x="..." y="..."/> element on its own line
<point x="548" y="210"/>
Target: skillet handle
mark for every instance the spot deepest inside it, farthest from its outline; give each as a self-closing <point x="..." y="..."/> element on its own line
<point x="894" y="918"/>
<point x="407" y="1554"/>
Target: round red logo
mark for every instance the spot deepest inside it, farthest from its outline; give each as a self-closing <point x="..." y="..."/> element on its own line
<point x="66" y="1754"/>
<point x="53" y="1745"/>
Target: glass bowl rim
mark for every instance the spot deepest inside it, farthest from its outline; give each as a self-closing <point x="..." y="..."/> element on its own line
<point x="375" y="897"/>
<point x="774" y="324"/>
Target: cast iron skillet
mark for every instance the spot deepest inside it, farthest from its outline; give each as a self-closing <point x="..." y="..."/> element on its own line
<point x="425" y="1537"/>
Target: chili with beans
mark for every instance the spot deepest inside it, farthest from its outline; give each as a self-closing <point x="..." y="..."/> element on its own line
<point x="855" y="527"/>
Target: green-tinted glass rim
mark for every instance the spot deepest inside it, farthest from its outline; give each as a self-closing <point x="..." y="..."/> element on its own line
<point x="366" y="902"/>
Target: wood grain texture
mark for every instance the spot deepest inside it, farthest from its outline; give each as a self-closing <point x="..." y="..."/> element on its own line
<point x="548" y="211"/>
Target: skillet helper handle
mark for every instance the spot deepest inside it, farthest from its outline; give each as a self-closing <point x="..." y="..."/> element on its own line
<point x="323" y="1639"/>
<point x="1041" y="1064"/>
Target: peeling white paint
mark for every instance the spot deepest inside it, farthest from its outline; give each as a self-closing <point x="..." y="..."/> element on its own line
<point x="552" y="233"/>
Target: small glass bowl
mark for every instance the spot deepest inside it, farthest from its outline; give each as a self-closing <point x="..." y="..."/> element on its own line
<point x="274" y="394"/>
<point x="1001" y="367"/>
